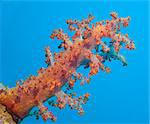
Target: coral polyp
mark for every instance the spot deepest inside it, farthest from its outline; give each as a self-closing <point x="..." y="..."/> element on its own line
<point x="85" y="48"/>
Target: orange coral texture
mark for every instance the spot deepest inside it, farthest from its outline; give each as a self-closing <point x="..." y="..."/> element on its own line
<point x="77" y="51"/>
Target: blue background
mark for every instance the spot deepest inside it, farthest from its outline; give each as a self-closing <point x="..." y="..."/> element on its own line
<point x="118" y="97"/>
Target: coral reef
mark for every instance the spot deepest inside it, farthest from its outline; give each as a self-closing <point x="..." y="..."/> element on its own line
<point x="84" y="48"/>
<point x="5" y="117"/>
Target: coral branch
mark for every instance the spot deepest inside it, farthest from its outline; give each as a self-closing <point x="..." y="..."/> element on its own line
<point x="61" y="70"/>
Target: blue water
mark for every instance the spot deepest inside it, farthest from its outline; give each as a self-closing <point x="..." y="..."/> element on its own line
<point x="118" y="97"/>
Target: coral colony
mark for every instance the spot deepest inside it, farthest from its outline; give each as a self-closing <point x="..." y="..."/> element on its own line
<point x="84" y="48"/>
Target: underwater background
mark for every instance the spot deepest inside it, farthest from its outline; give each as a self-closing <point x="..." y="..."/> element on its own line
<point x="119" y="97"/>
